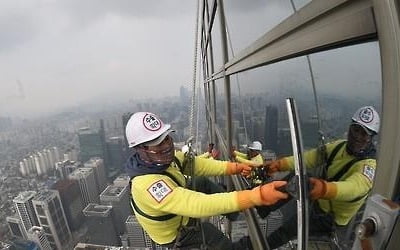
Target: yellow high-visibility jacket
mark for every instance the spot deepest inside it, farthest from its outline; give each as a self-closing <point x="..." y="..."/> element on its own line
<point x="157" y="195"/>
<point x="352" y="188"/>
<point x="206" y="155"/>
<point x="256" y="161"/>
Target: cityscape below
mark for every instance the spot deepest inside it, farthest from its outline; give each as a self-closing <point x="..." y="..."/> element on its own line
<point x="63" y="184"/>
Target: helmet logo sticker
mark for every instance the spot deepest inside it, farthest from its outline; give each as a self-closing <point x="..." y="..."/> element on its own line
<point x="151" y="122"/>
<point x="366" y="115"/>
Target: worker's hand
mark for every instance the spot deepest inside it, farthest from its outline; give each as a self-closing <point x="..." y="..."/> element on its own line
<point x="275" y="166"/>
<point x="263" y="195"/>
<point x="238" y="168"/>
<point x="215" y="153"/>
<point x="321" y="189"/>
<point x="270" y="195"/>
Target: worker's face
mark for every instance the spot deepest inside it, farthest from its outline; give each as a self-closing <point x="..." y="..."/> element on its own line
<point x="252" y="153"/>
<point x="358" y="138"/>
<point x="162" y="153"/>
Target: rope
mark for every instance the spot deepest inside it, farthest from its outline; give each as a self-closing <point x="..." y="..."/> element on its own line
<point x="190" y="154"/>
<point x="237" y="83"/>
<point x="192" y="107"/>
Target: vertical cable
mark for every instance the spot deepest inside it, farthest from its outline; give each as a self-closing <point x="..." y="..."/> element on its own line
<point x="194" y="71"/>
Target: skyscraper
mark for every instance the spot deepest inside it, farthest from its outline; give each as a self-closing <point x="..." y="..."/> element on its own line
<point x="97" y="164"/>
<point x="72" y="202"/>
<point x="91" y="143"/>
<point x="47" y="204"/>
<point x="15" y="226"/>
<point x="87" y="184"/>
<point x="116" y="154"/>
<point x="37" y="235"/>
<point x="122" y="180"/>
<point x="136" y="234"/>
<point x="66" y="167"/>
<point x="100" y="223"/>
<point x="271" y="128"/>
<point x="125" y="119"/>
<point x="118" y="198"/>
<point x="23" y="205"/>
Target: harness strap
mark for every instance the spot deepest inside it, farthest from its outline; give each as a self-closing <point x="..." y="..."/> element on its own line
<point x="334" y="153"/>
<point x="156" y="218"/>
<point x="161" y="217"/>
<point x="346" y="167"/>
<point x="344" y="170"/>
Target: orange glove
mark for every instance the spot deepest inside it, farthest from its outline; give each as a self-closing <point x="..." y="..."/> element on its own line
<point x="238" y="168"/>
<point x="275" y="166"/>
<point x="263" y="195"/>
<point x="322" y="189"/>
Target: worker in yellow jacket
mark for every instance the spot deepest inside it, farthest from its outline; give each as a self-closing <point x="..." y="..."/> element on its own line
<point x="350" y="173"/>
<point x="211" y="152"/>
<point x="165" y="207"/>
<point x="253" y="156"/>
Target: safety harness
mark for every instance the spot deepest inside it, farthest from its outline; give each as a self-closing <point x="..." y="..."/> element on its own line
<point x="161" y="217"/>
<point x="345" y="168"/>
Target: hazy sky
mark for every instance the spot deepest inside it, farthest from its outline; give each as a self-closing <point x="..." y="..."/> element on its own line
<point x="59" y="53"/>
<point x="56" y="54"/>
<point x="64" y="52"/>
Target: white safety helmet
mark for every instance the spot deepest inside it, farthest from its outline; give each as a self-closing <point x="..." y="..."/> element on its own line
<point x="185" y="149"/>
<point x="368" y="118"/>
<point x="145" y="127"/>
<point x="255" y="145"/>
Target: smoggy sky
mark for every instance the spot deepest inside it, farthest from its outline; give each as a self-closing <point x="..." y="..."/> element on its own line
<point x="55" y="54"/>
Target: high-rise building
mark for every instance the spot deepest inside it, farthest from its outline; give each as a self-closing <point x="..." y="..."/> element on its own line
<point x="97" y="164"/>
<point x="47" y="157"/>
<point x="23" y="167"/>
<point x="122" y="180"/>
<point x="118" y="198"/>
<point x="309" y="132"/>
<point x="18" y="243"/>
<point x="91" y="143"/>
<point x="136" y="234"/>
<point x="47" y="204"/>
<point x="31" y="164"/>
<point x="284" y="142"/>
<point x="137" y="237"/>
<point x="56" y="154"/>
<point x="100" y="224"/>
<point x="116" y="154"/>
<point x="37" y="235"/>
<point x="72" y="202"/>
<point x="71" y="154"/>
<point x="271" y="128"/>
<point x="23" y="205"/>
<point x="15" y="226"/>
<point x="256" y="132"/>
<point x="65" y="168"/>
<point x="87" y="184"/>
<point x="40" y="164"/>
<point x="125" y="119"/>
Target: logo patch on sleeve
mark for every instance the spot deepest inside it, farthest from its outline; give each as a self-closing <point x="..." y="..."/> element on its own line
<point x="369" y="172"/>
<point x="159" y="190"/>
